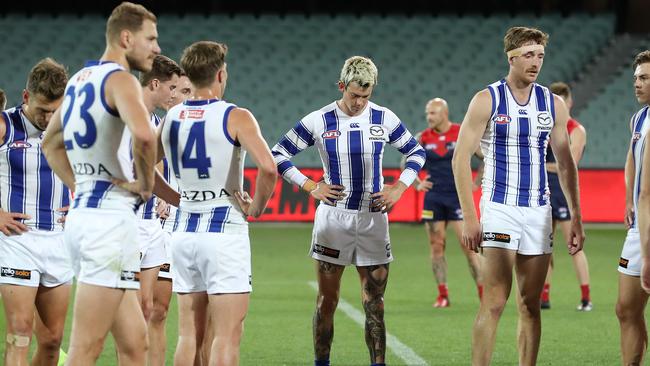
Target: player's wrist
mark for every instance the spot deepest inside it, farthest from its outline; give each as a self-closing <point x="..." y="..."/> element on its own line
<point x="309" y="186"/>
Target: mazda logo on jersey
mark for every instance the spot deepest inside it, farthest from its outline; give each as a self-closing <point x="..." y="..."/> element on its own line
<point x="501" y="119"/>
<point x="331" y="134"/>
<point x="376" y="131"/>
<point x="544" y="119"/>
<point x="20" y="145"/>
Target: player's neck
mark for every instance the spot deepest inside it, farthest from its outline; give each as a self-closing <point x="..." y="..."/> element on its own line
<point x="116" y="56"/>
<point x="148" y="101"/>
<point x="519" y="88"/>
<point x="206" y="94"/>
<point x="443" y="127"/>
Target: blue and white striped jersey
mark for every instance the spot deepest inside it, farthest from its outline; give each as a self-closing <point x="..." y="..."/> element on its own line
<point x="168" y="223"/>
<point x="639" y="125"/>
<point x="92" y="133"/>
<point x="27" y="184"/>
<point x="207" y="164"/>
<point x="514" y="147"/>
<point x="148" y="209"/>
<point x="351" y="149"/>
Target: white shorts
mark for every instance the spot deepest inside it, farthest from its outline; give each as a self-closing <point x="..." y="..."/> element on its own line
<point x="630" y="261"/>
<point x="152" y="243"/>
<point x="526" y="230"/>
<point x="165" y="269"/>
<point x="35" y="258"/>
<point x="217" y="263"/>
<point x="103" y="247"/>
<point x="346" y="237"/>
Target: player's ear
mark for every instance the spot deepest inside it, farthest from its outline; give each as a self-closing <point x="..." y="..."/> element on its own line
<point x="153" y="84"/>
<point x="341" y="86"/>
<point x="25" y="96"/>
<point x="125" y="38"/>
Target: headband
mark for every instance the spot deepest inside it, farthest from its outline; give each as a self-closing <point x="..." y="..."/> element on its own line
<point x="525" y="49"/>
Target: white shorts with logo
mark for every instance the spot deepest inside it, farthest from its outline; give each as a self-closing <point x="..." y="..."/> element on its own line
<point x="526" y="230"/>
<point x="344" y="237"/>
<point x="165" y="269"/>
<point x="35" y="258"/>
<point x="103" y="247"/>
<point x="217" y="263"/>
<point x="630" y="261"/>
<point x="152" y="243"/>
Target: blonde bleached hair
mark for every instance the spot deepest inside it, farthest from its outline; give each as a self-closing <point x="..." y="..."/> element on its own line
<point x="361" y="70"/>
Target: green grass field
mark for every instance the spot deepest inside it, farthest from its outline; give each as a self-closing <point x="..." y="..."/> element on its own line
<point x="278" y="327"/>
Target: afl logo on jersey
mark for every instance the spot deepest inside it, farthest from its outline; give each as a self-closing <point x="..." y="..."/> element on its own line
<point x="636" y="136"/>
<point x="20" y="145"/>
<point x="331" y="134"/>
<point x="501" y="119"/>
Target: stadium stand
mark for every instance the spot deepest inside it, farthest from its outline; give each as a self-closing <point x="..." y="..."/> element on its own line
<point x="283" y="67"/>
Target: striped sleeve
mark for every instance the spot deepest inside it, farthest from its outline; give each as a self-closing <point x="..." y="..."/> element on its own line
<point x="296" y="140"/>
<point x="404" y="142"/>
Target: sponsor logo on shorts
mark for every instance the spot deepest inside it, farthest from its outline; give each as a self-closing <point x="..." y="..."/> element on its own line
<point x="388" y="250"/>
<point x="427" y="214"/>
<point x="250" y="279"/>
<point x="22" y="274"/>
<point x="623" y="262"/>
<point x="328" y="252"/>
<point x="500" y="237"/>
<point x="165" y="267"/>
<point x="130" y="276"/>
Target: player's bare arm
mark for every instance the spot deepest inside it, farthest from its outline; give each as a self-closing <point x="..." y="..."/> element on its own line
<point x="124" y="93"/>
<point x="568" y="174"/>
<point x="578" y="140"/>
<point x="469" y="137"/>
<point x="161" y="188"/>
<point x="244" y="128"/>
<point x="54" y="150"/>
<point x="629" y="186"/>
<point x="643" y="220"/>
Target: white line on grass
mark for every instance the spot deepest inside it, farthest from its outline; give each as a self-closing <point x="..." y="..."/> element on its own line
<point x="404" y="352"/>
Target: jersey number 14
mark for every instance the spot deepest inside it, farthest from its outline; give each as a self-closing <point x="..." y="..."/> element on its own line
<point x="194" y="154"/>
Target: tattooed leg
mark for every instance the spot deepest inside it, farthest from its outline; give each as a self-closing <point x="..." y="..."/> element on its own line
<point x="373" y="283"/>
<point x="329" y="281"/>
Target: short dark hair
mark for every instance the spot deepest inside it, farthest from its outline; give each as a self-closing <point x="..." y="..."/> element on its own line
<point x="127" y="16"/>
<point x="641" y="58"/>
<point x="163" y="69"/>
<point x="48" y="79"/>
<point x="560" y="88"/>
<point x="3" y="100"/>
<point x="201" y="61"/>
<point x="516" y="36"/>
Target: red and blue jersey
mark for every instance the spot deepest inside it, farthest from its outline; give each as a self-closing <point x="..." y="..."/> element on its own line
<point x="439" y="148"/>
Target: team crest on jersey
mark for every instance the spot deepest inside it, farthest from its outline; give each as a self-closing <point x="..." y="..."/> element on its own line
<point x="20" y="145"/>
<point x="331" y="134"/>
<point x="636" y="136"/>
<point x="501" y="119"/>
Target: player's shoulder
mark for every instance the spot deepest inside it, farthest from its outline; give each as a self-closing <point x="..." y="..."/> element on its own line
<point x="388" y="116"/>
<point x="317" y="115"/>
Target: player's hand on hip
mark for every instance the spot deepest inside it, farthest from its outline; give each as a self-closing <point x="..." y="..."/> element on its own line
<point x="162" y="209"/>
<point x="576" y="240"/>
<point x="328" y="193"/>
<point x="629" y="216"/>
<point x="63" y="211"/>
<point x="425" y="185"/>
<point x="472" y="234"/>
<point x="10" y="223"/>
<point x="244" y="200"/>
<point x="388" y="197"/>
<point x="134" y="187"/>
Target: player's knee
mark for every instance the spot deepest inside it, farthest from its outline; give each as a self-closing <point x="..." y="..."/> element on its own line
<point x="20" y="325"/>
<point x="17" y="340"/>
<point x="530" y="308"/>
<point x="158" y="313"/>
<point x="50" y="342"/>
<point x="327" y="303"/>
<point x="626" y="311"/>
<point x="494" y="306"/>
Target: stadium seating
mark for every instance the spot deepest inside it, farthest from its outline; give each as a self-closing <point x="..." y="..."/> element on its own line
<point x="283" y="67"/>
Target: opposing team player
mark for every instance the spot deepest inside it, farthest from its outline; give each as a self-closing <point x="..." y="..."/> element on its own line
<point x="441" y="206"/>
<point x="81" y="143"/>
<point x="35" y="273"/>
<point x="635" y="257"/>
<point x="560" y="207"/>
<point x="162" y="291"/>
<point x="205" y="140"/>
<point x="351" y="224"/>
<point x="512" y="120"/>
